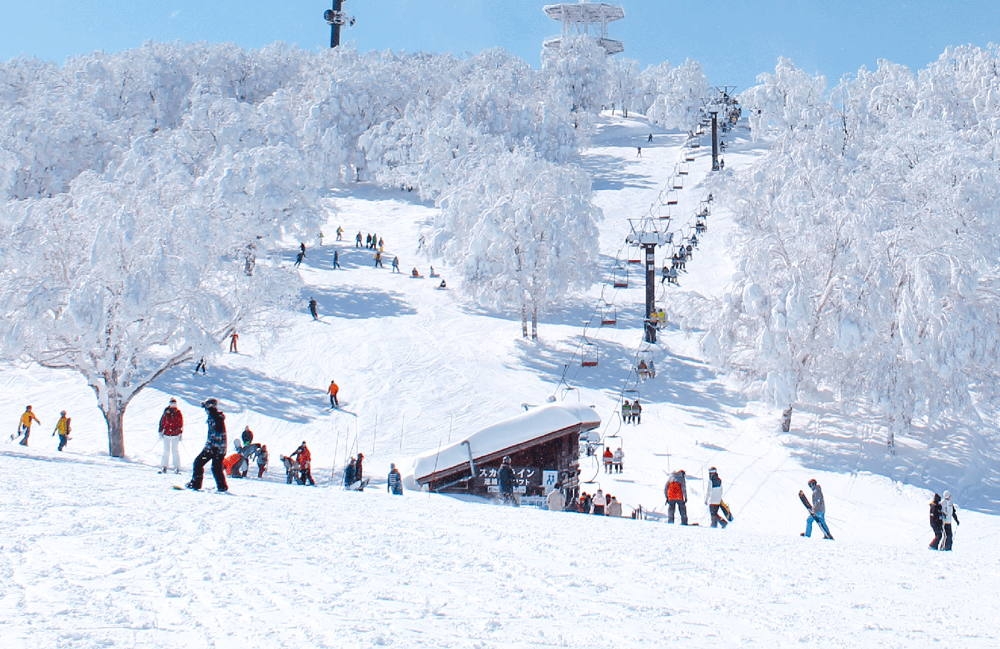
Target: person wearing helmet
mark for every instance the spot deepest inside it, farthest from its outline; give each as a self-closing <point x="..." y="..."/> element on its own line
<point x="949" y="513"/>
<point x="505" y="481"/>
<point x="171" y="427"/>
<point x="214" y="451"/>
<point x="63" y="429"/>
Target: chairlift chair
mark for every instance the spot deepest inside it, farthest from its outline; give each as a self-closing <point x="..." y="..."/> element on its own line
<point x="609" y="315"/>
<point x="588" y="356"/>
<point x="678" y="182"/>
<point x="671" y="198"/>
<point x="619" y="276"/>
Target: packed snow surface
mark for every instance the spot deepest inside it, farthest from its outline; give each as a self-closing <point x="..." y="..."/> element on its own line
<point x="101" y="552"/>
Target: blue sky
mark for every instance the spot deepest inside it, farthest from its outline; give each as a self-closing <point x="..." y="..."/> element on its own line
<point x="733" y="39"/>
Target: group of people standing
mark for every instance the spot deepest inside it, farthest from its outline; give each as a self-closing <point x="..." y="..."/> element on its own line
<point x="943" y="514"/>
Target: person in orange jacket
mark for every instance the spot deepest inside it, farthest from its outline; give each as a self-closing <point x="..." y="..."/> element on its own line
<point x="332" y="391"/>
<point x="304" y="458"/>
<point x="24" y="425"/>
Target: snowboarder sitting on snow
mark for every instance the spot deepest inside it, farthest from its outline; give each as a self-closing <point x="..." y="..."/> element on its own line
<point x="676" y="493"/>
<point x="817" y="509"/>
<point x="214" y="451"/>
<point x="63" y="428"/>
<point x="349" y="474"/>
<point x="394" y="483"/>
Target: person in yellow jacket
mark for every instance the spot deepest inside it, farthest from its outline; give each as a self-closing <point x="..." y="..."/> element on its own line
<point x="24" y="425"/>
<point x="63" y="429"/>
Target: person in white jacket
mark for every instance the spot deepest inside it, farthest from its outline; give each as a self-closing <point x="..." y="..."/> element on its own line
<point x="713" y="497"/>
<point x="556" y="501"/>
<point x="949" y="514"/>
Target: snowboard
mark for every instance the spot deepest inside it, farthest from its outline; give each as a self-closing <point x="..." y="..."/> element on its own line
<point x="359" y="485"/>
<point x="808" y="506"/>
<point x="179" y="487"/>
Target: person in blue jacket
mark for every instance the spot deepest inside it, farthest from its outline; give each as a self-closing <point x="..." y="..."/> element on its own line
<point x="394" y="484"/>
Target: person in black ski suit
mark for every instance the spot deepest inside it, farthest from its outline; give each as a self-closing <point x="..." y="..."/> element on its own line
<point x="349" y="474"/>
<point x="359" y="471"/>
<point x="505" y="481"/>
<point x="214" y="451"/>
<point x="936" y="525"/>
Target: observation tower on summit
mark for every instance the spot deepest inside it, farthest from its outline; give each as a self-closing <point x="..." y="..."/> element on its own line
<point x="585" y="19"/>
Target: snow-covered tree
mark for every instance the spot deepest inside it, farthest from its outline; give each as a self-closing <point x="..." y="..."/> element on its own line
<point x="579" y="69"/>
<point x="868" y="252"/>
<point x="521" y="230"/>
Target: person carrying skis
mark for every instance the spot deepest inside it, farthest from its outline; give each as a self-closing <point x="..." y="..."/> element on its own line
<point x="214" y="451"/>
<point x="171" y="428"/>
<point x="332" y="391"/>
<point x="713" y="498"/>
<point x="24" y="425"/>
<point x="505" y="481"/>
<point x="394" y="483"/>
<point x="304" y="458"/>
<point x="676" y="493"/>
<point x="949" y="513"/>
<point x="63" y="429"/>
<point x="937" y="525"/>
<point x="817" y="510"/>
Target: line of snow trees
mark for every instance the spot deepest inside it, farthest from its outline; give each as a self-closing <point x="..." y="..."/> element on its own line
<point x="145" y="194"/>
<point x="869" y="245"/>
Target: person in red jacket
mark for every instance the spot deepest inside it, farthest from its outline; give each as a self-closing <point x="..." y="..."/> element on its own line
<point x="608" y="458"/>
<point x="171" y="428"/>
<point x="304" y="458"/>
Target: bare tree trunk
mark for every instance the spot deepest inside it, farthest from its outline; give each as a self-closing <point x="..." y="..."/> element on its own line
<point x="114" y="415"/>
<point x="786" y="419"/>
<point x="524" y="321"/>
<point x="534" y="323"/>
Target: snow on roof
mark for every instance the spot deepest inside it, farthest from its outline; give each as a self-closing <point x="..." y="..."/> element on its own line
<point x="531" y="424"/>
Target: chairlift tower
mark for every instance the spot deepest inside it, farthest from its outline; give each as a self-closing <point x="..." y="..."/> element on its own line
<point x="585" y="19"/>
<point x="336" y="18"/>
<point x="647" y="237"/>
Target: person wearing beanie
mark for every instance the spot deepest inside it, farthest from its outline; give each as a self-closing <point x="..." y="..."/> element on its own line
<point x="214" y="451"/>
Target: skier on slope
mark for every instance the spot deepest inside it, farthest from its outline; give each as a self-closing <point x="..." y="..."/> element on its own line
<point x="676" y="493"/>
<point x="214" y="451"/>
<point x="171" y="428"/>
<point x="817" y="510"/>
<point x="332" y="391"/>
<point x="713" y="498"/>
